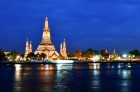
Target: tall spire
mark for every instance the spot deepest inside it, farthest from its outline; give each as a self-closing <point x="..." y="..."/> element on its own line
<point x="46" y="45"/>
<point x="27" y="44"/>
<point x="114" y="50"/>
<point x="61" y="48"/>
<point x="30" y="46"/>
<point x="27" y="50"/>
<point x="64" y="44"/>
<point x="46" y="23"/>
<point x="46" y="38"/>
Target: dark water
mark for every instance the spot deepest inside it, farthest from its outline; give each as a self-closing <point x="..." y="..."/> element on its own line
<point x="84" y="77"/>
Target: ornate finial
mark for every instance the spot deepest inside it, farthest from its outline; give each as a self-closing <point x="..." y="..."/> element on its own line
<point x="46" y="18"/>
<point x="114" y="49"/>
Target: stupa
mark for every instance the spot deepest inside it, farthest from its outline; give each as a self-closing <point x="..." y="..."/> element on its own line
<point x="63" y="51"/>
<point x="28" y="48"/>
<point x="46" y="45"/>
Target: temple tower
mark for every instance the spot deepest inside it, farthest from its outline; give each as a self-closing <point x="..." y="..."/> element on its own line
<point x="63" y="49"/>
<point x="46" y="34"/>
<point x="30" y="47"/>
<point x="26" y="48"/>
<point x="46" y="45"/>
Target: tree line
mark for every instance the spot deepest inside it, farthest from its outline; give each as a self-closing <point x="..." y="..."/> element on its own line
<point x="87" y="54"/>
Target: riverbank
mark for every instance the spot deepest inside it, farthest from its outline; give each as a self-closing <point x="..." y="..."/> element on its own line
<point x="64" y="61"/>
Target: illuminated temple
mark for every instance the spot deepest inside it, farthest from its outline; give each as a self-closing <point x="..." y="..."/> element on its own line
<point x="46" y="45"/>
<point x="28" y="48"/>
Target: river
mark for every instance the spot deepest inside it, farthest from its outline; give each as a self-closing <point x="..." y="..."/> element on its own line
<point x="77" y="77"/>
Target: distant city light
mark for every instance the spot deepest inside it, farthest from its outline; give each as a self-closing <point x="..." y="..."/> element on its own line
<point x="133" y="56"/>
<point x="95" y="58"/>
<point x="124" y="55"/>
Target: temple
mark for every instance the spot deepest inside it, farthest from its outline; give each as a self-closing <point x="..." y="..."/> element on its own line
<point x="63" y="49"/>
<point x="28" y="48"/>
<point x="46" y="45"/>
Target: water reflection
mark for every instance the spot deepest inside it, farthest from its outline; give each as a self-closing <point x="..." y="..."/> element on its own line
<point x="64" y="66"/>
<point x="95" y="72"/>
<point x="129" y="65"/>
<point x="126" y="82"/>
<point x="61" y="80"/>
<point x="96" y="80"/>
<point x="119" y="71"/>
<point x="72" y="77"/>
<point x="93" y="66"/>
<point x="126" y="74"/>
<point x="17" y="72"/>
<point x="108" y="65"/>
<point x="119" y="65"/>
<point x="17" y="76"/>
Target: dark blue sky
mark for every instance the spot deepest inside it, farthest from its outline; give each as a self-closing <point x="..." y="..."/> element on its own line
<point x="96" y="24"/>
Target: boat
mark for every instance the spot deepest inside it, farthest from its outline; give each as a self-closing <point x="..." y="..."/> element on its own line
<point x="61" y="61"/>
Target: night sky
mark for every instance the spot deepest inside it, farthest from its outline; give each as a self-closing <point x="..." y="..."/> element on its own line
<point x="96" y="24"/>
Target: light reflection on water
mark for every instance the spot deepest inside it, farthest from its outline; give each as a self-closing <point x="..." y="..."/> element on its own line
<point x="84" y="77"/>
<point x="17" y="83"/>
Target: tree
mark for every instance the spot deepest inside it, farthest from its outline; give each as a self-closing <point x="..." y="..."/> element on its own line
<point x="114" y="55"/>
<point x="96" y="52"/>
<point x="77" y="53"/>
<point x="88" y="53"/>
<point x="42" y="55"/>
<point x="2" y="55"/>
<point x="14" y="54"/>
<point x="69" y="54"/>
<point x="30" y="55"/>
<point x="133" y="53"/>
<point x="7" y="55"/>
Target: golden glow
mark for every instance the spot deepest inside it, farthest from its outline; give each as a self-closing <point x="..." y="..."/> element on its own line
<point x="17" y="71"/>
<point x="17" y="66"/>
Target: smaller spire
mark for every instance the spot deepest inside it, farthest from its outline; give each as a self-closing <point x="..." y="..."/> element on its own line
<point x="114" y="49"/>
<point x="61" y="45"/>
<point x="46" y="18"/>
<point x="27" y="42"/>
<point x="30" y="47"/>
